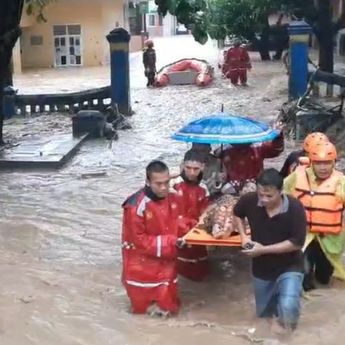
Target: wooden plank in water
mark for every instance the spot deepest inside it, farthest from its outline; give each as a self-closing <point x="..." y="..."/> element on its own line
<point x="41" y="151"/>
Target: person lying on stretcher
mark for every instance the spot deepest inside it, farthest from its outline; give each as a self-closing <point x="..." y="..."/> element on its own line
<point x="218" y="217"/>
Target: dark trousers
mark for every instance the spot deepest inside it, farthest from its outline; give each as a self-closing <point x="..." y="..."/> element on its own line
<point x="317" y="266"/>
<point x="150" y="78"/>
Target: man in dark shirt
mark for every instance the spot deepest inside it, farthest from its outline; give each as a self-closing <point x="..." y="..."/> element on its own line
<point x="278" y="231"/>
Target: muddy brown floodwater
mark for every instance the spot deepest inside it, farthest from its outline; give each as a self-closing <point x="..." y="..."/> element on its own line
<point x="60" y="259"/>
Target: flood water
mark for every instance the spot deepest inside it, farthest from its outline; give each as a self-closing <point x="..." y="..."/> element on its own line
<point x="60" y="258"/>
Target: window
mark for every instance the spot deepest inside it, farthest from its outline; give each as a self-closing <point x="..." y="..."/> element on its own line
<point x="36" y="40"/>
<point x="59" y="30"/>
<point x="152" y="20"/>
<point x="67" y="45"/>
<point x="160" y="20"/>
<point x="62" y="30"/>
<point x="73" y="29"/>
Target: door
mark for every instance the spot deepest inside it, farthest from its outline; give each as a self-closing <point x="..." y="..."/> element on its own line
<point x="74" y="50"/>
<point x="67" y="45"/>
<point x="60" y="51"/>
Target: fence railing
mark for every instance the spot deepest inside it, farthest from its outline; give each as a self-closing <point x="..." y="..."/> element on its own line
<point x="324" y="84"/>
<point x="95" y="99"/>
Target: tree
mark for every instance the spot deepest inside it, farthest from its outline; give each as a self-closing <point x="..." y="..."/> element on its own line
<point x="10" y="16"/>
<point x="220" y="18"/>
<point x="246" y="18"/>
<point x="325" y="30"/>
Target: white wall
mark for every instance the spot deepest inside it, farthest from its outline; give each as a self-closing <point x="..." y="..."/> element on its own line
<point x="169" y="25"/>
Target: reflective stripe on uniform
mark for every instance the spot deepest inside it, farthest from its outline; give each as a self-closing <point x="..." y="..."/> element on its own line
<point x="142" y="206"/>
<point x="159" y="246"/>
<point x="149" y="285"/>
<point x="192" y="261"/>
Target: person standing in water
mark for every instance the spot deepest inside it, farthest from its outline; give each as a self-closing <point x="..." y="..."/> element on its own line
<point x="149" y="61"/>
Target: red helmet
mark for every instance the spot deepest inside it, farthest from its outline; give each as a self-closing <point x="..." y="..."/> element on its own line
<point x="322" y="152"/>
<point x="149" y="43"/>
<point x="312" y="139"/>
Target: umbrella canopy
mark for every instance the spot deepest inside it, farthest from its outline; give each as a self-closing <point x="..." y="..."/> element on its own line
<point x="224" y="128"/>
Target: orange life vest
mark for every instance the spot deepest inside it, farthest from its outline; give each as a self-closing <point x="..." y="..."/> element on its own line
<point x="323" y="208"/>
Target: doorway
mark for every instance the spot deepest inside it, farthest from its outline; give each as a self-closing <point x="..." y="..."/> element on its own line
<point x="67" y="45"/>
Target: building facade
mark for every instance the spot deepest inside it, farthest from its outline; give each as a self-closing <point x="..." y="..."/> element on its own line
<point x="156" y="25"/>
<point x="73" y="35"/>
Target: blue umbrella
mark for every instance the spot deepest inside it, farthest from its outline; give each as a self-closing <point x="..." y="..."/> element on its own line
<point x="223" y="128"/>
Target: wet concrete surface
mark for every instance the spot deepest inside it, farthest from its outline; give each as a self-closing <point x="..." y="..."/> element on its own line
<point x="60" y="258"/>
<point x="41" y="152"/>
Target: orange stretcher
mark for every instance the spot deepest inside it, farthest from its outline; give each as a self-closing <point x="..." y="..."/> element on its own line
<point x="201" y="237"/>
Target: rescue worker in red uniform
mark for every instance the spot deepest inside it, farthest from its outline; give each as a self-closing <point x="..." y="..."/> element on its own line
<point x="237" y="61"/>
<point x="152" y="224"/>
<point x="243" y="163"/>
<point x="193" y="198"/>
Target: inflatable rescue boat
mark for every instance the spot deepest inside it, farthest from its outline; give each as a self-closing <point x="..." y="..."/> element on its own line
<point x="185" y="71"/>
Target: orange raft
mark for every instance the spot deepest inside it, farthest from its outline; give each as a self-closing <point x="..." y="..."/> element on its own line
<point x="201" y="237"/>
<point x="203" y="69"/>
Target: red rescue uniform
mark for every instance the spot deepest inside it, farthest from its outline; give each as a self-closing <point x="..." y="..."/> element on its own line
<point x="237" y="61"/>
<point x="151" y="227"/>
<point x="244" y="163"/>
<point x="193" y="199"/>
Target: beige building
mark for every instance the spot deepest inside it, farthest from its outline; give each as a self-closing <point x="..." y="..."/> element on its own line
<point x="74" y="34"/>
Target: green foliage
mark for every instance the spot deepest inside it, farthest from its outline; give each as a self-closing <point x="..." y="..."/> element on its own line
<point x="36" y="8"/>
<point x="188" y="12"/>
<point x="219" y="18"/>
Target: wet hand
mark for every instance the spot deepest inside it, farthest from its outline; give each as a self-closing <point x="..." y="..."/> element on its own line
<point x="256" y="250"/>
<point x="245" y="240"/>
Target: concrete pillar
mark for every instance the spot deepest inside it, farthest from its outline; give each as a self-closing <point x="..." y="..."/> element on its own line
<point x="119" y="69"/>
<point x="299" y="32"/>
<point x="17" y="58"/>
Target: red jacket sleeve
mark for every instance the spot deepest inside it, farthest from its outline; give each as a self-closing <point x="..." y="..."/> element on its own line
<point x="272" y="148"/>
<point x="161" y="246"/>
<point x="184" y="225"/>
